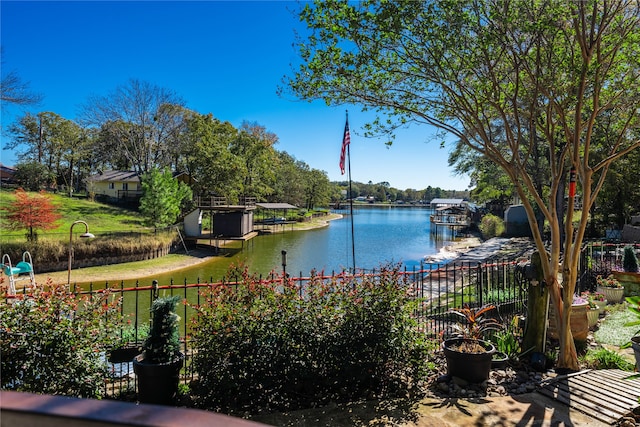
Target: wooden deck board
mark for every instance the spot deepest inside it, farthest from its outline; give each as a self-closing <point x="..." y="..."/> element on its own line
<point x="602" y="394"/>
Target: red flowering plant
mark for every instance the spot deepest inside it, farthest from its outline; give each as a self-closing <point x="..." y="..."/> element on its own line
<point x="54" y="342"/>
<point x="284" y="344"/>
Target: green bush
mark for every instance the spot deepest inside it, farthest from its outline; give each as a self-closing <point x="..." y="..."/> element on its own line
<point x="508" y="340"/>
<point x="54" y="342"/>
<point x="491" y="226"/>
<point x="258" y="346"/>
<point x="630" y="260"/>
<point x="602" y="358"/>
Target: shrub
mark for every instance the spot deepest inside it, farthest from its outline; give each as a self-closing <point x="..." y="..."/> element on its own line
<point x="261" y="346"/>
<point x="630" y="260"/>
<point x="54" y="342"/>
<point x="491" y="226"/>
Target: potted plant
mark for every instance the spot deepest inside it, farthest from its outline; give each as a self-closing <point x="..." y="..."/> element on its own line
<point x="158" y="367"/>
<point x="507" y="343"/>
<point x="600" y="300"/>
<point x="630" y="276"/>
<point x="593" y="312"/>
<point x="634" y="307"/>
<point x="578" y="321"/>
<point x="611" y="288"/>
<point x="469" y="355"/>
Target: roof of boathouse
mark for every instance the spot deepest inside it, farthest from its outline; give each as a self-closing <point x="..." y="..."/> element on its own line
<point x="438" y="203"/>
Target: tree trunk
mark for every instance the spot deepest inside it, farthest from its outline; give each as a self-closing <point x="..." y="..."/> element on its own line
<point x="537" y="305"/>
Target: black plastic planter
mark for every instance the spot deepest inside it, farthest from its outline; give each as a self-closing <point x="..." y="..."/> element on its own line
<point x="157" y="382"/>
<point x="471" y="367"/>
<point x="124" y="354"/>
<point x="499" y="360"/>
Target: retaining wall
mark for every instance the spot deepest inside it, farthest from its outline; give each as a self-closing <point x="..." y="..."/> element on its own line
<point x="46" y="267"/>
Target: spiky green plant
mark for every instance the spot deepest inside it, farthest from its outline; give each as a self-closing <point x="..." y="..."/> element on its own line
<point x="474" y="324"/>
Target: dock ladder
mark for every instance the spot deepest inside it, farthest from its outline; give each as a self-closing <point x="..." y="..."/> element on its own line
<point x="22" y="271"/>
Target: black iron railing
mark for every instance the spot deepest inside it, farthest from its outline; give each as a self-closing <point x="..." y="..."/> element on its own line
<point x="439" y="288"/>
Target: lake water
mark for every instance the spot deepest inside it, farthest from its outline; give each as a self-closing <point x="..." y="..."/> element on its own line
<point x="382" y="235"/>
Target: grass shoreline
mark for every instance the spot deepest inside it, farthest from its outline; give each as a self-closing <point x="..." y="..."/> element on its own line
<point x="148" y="268"/>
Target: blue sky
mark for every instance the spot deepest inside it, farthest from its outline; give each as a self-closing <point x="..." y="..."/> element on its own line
<point x="223" y="58"/>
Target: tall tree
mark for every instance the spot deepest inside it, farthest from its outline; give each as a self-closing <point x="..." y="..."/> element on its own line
<point x="255" y="146"/>
<point x="549" y="74"/>
<point x="317" y="189"/>
<point x="33" y="176"/>
<point x="51" y="140"/>
<point x="290" y="185"/>
<point x="162" y="197"/>
<point x="31" y="212"/>
<point x="138" y="122"/>
<point x="216" y="169"/>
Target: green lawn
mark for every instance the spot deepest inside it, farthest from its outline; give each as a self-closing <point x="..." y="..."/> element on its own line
<point x="100" y="217"/>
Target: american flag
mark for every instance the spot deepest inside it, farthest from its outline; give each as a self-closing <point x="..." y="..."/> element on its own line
<point x="345" y="143"/>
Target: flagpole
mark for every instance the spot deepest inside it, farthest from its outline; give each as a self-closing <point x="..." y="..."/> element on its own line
<point x="353" y="243"/>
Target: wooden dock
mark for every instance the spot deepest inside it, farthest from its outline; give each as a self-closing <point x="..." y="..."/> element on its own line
<point x="606" y="394"/>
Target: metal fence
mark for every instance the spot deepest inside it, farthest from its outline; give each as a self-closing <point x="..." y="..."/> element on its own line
<point x="600" y="258"/>
<point x="439" y="287"/>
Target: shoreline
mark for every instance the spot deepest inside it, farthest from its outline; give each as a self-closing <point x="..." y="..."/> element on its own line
<point x="149" y="268"/>
<point x="472" y="248"/>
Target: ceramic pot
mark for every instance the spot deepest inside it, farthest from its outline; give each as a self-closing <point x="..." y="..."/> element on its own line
<point x="592" y="316"/>
<point x="579" y="322"/>
<point x="613" y="295"/>
<point x="601" y="305"/>
<point x="630" y="281"/>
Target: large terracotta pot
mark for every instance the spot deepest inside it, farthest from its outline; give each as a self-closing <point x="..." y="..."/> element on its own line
<point x="579" y="322"/>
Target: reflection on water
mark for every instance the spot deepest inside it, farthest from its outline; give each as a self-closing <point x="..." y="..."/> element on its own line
<point x="382" y="235"/>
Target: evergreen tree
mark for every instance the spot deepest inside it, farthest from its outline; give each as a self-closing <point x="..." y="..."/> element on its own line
<point x="162" y="197"/>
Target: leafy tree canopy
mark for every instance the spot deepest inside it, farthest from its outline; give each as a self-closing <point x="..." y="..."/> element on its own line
<point x="162" y="197"/>
<point x="510" y="80"/>
<point x="31" y="212"/>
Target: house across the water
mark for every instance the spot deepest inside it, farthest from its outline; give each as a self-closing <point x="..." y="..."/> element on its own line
<point x="121" y="186"/>
<point x="116" y="186"/>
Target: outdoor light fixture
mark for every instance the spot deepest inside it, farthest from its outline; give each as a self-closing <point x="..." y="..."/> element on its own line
<point x="284" y="262"/>
<point x="85" y="235"/>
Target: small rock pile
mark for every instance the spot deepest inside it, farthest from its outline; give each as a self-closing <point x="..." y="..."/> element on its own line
<point x="501" y="382"/>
